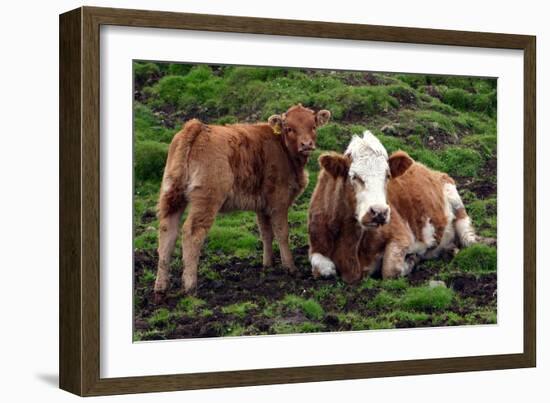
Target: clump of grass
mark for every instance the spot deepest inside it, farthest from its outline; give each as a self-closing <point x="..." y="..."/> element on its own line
<point x="304" y="327"/>
<point x="484" y="316"/>
<point x="148" y="277"/>
<point x="485" y="144"/>
<point x="179" y="69"/>
<point x="406" y="316"/>
<point x="149" y="160"/>
<point x="146" y="240"/>
<point x="367" y="284"/>
<point x="379" y="323"/>
<point x="460" y="161"/>
<point x="397" y="284"/>
<point x="476" y="258"/>
<point x="392" y="143"/>
<point x="311" y="308"/>
<point x="234" y="329"/>
<point x="383" y="300"/>
<point x="427" y="298"/>
<point x="447" y="319"/>
<point x="144" y="71"/>
<point x="232" y="234"/>
<point x="198" y="89"/>
<point x="483" y="214"/>
<point x="190" y="305"/>
<point x="159" y="318"/>
<point x="427" y="157"/>
<point x="152" y="334"/>
<point x="240" y="309"/>
<point x="147" y="126"/>
<point x="208" y="273"/>
<point x="463" y="100"/>
<point x="353" y="320"/>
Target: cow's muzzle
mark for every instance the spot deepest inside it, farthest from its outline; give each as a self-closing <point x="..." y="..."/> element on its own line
<point x="376" y="216"/>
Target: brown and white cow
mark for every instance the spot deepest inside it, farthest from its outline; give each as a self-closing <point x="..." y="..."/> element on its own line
<point x="370" y="211"/>
<point x="258" y="167"/>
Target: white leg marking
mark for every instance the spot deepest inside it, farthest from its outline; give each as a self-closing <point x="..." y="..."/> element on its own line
<point x="324" y="265"/>
<point x="466" y="233"/>
<point x="453" y="197"/>
<point x="428" y="232"/>
<point x="463" y="226"/>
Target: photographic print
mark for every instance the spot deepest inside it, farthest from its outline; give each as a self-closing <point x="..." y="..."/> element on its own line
<point x="273" y="200"/>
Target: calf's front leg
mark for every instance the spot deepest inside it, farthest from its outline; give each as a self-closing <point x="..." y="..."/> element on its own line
<point x="280" y="227"/>
<point x="395" y="262"/>
<point x="320" y="248"/>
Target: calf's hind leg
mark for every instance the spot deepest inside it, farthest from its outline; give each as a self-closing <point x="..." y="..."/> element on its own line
<point x="201" y="217"/>
<point x="171" y="205"/>
<point x="168" y="233"/>
<point x="266" y="233"/>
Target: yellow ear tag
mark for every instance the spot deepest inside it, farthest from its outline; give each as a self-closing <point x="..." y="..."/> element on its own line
<point x="277" y="129"/>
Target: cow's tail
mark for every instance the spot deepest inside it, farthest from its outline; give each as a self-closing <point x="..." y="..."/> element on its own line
<point x="176" y="177"/>
<point x="463" y="224"/>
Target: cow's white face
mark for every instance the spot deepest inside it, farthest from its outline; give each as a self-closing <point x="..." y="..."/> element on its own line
<point x="369" y="173"/>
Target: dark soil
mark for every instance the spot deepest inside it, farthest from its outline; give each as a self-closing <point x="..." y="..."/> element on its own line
<point x="245" y="279"/>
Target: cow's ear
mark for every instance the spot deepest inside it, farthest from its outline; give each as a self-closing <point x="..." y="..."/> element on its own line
<point x="276" y="123"/>
<point x="335" y="164"/>
<point x="399" y="162"/>
<point x="322" y="117"/>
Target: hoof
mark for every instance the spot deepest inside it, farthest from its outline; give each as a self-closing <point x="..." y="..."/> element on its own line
<point x="487" y="241"/>
<point x="291" y="269"/>
<point x="315" y="273"/>
<point x="191" y="290"/>
<point x="159" y="297"/>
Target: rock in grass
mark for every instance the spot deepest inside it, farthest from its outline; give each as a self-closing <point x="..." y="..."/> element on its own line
<point x="390" y="130"/>
<point x="437" y="283"/>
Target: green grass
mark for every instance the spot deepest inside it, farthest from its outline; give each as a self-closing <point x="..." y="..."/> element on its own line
<point x="383" y="301"/>
<point x="311" y="308"/>
<point x="427" y="298"/>
<point x="149" y="159"/>
<point x="148" y="277"/>
<point x="476" y="258"/>
<point x="159" y="317"/>
<point x="190" y="306"/>
<point x="240" y="309"/>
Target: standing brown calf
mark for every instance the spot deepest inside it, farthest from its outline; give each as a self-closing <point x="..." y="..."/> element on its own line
<point x="258" y="167"/>
<point x="370" y="211"/>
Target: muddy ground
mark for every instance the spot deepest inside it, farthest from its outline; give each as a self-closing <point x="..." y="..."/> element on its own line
<point x="246" y="281"/>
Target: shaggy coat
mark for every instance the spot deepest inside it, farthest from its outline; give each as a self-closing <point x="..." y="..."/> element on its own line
<point x="427" y="217"/>
<point x="257" y="167"/>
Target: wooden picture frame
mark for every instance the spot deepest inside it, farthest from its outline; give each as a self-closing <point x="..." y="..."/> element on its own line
<point x="80" y="185"/>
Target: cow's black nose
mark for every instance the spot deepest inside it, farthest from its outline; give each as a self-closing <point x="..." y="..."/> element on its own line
<point x="379" y="213"/>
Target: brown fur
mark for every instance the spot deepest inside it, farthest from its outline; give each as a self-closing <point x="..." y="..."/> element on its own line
<point x="415" y="195"/>
<point x="332" y="228"/>
<point x="257" y="167"/>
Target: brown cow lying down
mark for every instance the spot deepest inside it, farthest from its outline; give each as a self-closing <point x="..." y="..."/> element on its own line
<point x="258" y="167"/>
<point x="370" y="211"/>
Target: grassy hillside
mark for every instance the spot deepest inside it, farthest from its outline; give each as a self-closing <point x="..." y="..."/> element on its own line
<point x="448" y="123"/>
